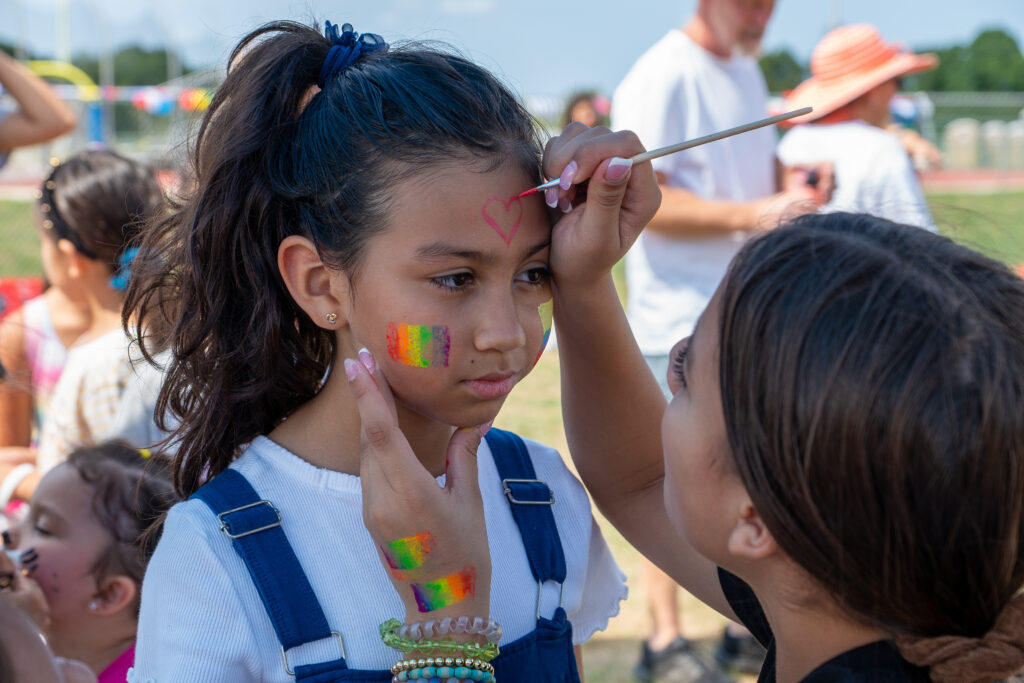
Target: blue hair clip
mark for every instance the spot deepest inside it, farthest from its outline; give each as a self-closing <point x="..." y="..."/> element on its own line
<point x="346" y="49"/>
<point x="124" y="269"/>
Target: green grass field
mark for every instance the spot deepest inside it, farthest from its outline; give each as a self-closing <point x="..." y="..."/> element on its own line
<point x="990" y="223"/>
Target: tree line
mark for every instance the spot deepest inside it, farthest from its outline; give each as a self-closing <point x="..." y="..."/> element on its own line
<point x="992" y="62"/>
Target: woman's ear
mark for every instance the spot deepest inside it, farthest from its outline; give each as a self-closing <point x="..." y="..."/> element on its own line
<point x="114" y="594"/>
<point x="318" y="290"/>
<point x="750" y="538"/>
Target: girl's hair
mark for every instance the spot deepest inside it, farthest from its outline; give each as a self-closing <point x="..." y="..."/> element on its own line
<point x="131" y="492"/>
<point x="872" y="380"/>
<point x="98" y="200"/>
<point x="244" y="355"/>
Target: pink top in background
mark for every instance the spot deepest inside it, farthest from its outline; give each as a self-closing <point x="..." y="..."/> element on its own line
<point x="117" y="672"/>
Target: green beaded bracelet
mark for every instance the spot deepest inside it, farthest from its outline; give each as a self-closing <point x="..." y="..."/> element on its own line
<point x="446" y="646"/>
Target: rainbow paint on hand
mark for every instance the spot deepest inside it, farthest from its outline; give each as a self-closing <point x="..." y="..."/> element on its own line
<point x="407" y="553"/>
<point x="420" y="346"/>
<point x="446" y="591"/>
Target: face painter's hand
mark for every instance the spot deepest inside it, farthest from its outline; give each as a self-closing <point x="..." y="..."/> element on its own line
<point x="432" y="540"/>
<point x="605" y="200"/>
<point x="23" y="591"/>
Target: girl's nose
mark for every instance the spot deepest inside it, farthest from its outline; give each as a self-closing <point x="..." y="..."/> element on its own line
<point x="499" y="327"/>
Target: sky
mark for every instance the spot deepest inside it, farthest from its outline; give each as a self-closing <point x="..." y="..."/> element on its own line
<point x="539" y="48"/>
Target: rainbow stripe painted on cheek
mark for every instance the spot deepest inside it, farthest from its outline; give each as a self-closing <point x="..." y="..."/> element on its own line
<point x="420" y="346"/>
<point x="409" y="552"/>
<point x="546" y="311"/>
<point x="446" y="591"/>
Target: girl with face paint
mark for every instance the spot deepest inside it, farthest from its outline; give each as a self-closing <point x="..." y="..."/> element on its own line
<point x="357" y="206"/>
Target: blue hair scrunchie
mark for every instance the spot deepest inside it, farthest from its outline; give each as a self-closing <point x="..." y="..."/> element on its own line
<point x="346" y="49"/>
<point x="124" y="269"/>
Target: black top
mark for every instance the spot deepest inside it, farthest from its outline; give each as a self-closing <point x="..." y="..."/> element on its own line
<point x="878" y="662"/>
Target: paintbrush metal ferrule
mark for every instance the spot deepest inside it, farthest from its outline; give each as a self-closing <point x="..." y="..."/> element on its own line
<point x="689" y="144"/>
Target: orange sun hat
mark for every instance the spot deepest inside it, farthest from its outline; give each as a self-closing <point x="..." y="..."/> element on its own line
<point x="847" y="63"/>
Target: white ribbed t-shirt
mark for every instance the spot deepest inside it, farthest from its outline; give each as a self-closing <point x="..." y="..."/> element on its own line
<point x="872" y="169"/>
<point x="202" y="620"/>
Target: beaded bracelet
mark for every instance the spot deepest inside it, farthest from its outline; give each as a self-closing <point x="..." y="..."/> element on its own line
<point x="445" y="646"/>
<point x="449" y="670"/>
<point x="488" y="628"/>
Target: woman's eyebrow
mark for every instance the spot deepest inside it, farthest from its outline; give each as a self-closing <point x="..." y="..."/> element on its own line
<point x="690" y="346"/>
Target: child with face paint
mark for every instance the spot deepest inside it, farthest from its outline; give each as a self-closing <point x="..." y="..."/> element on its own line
<point x="353" y="202"/>
<point x="82" y="551"/>
<point x="840" y="467"/>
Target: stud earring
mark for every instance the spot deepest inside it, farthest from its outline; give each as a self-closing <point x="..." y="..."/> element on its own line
<point x="332" y="318"/>
<point x="93" y="606"/>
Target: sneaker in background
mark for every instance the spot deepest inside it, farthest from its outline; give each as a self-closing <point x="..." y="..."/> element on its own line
<point x="678" y="662"/>
<point x="740" y="653"/>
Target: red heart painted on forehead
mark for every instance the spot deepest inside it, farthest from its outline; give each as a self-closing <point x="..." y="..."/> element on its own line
<point x="505" y="222"/>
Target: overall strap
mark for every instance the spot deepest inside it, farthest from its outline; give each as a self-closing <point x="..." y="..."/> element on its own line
<point x="254" y="527"/>
<point x="531" y="502"/>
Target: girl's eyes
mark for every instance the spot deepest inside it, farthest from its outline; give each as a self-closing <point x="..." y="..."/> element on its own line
<point x="456" y="282"/>
<point x="679" y="364"/>
<point x="537" y="277"/>
<point x="42" y="531"/>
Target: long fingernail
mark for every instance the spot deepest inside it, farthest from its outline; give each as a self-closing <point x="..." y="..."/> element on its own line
<point x="565" y="205"/>
<point x="565" y="180"/>
<point x="618" y="168"/>
<point x="351" y="369"/>
<point x="551" y="197"/>
<point x="366" y="358"/>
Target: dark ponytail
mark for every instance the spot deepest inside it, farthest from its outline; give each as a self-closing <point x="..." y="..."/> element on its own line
<point x="267" y="165"/>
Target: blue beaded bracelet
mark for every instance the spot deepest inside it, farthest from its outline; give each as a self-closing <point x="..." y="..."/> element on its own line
<point x="419" y="676"/>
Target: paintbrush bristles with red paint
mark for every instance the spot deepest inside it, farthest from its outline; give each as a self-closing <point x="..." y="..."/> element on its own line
<point x="680" y="146"/>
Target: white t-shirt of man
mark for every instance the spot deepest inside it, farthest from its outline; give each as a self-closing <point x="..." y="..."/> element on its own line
<point x="202" y="619"/>
<point x="872" y="169"/>
<point x="677" y="91"/>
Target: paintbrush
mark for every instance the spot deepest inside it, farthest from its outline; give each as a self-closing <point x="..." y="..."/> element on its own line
<point x="687" y="144"/>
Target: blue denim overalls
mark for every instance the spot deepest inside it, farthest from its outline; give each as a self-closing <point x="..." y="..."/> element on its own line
<point x="545" y="655"/>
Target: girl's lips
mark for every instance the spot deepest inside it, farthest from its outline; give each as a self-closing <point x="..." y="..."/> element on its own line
<point x="494" y="385"/>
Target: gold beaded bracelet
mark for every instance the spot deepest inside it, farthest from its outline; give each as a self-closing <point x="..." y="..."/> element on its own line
<point x="451" y="662"/>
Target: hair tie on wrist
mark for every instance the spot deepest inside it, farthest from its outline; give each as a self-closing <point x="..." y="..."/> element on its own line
<point x="346" y="49"/>
<point x="996" y="655"/>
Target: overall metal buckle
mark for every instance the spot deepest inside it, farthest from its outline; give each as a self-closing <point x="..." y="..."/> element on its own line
<point x="561" y="595"/>
<point x="227" y="530"/>
<point x="284" y="655"/>
<point x="511" y="496"/>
